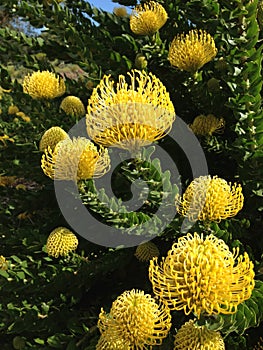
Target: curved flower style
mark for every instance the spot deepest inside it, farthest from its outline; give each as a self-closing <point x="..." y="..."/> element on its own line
<point x="191" y="51"/>
<point x="76" y="159"/>
<point x="73" y="106"/>
<point x="201" y="275"/>
<point x="210" y="199"/>
<point x="207" y="125"/>
<point x="135" y="321"/>
<point x="3" y="263"/>
<point x="52" y="137"/>
<point x="43" y="85"/>
<point x="191" y="336"/>
<point x="129" y="116"/>
<point x="61" y="242"/>
<point x="146" y="251"/>
<point x="148" y="18"/>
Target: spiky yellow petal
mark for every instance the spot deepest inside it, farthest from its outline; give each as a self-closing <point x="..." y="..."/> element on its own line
<point x="210" y="199"/>
<point x="44" y="85"/>
<point x="76" y="159"/>
<point x="203" y="276"/>
<point x="146" y="19"/>
<point x="131" y="115"/>
<point x="191" y="51"/>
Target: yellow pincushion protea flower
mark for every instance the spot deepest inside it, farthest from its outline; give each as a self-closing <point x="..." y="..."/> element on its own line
<point x="207" y="125"/>
<point x="3" y="263"/>
<point x="44" y="85"/>
<point x="191" y="51"/>
<point x="210" y="199"/>
<point x="61" y="242"/>
<point x="191" y="336"/>
<point x="132" y="115"/>
<point x="148" y="18"/>
<point x="76" y="159"/>
<point x="203" y="276"/>
<point x="52" y="137"/>
<point x="135" y="320"/>
<point x="73" y="106"/>
<point x="146" y="251"/>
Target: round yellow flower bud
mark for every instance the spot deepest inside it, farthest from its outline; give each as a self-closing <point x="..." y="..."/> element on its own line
<point x="213" y="85"/>
<point x="73" y="106"/>
<point x="206" y="125"/>
<point x="52" y="137"/>
<point x="146" y="251"/>
<point x="140" y="61"/>
<point x="61" y="242"/>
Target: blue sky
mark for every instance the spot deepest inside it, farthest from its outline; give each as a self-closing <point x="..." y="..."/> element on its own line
<point x="106" y="5"/>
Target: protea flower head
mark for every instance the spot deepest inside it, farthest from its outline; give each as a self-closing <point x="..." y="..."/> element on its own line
<point x="129" y="116"/>
<point x="135" y="321"/>
<point x="76" y="159"/>
<point x="44" y="85"/>
<point x="201" y="275"/>
<point x="191" y="51"/>
<point x="148" y="18"/>
<point x="210" y="199"/>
